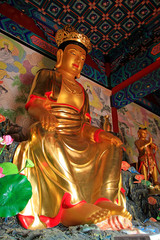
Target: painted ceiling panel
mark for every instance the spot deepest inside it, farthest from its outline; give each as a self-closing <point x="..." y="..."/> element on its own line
<point x="106" y="22"/>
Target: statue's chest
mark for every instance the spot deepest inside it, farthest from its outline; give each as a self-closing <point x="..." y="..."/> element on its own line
<point x="71" y="95"/>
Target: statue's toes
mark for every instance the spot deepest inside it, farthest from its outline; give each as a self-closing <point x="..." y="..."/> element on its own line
<point x="115" y="222"/>
<point x="126" y="214"/>
<point x="99" y="216"/>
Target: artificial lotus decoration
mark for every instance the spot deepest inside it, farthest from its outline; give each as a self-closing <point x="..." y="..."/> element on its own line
<point x="15" y="188"/>
<point x="5" y="141"/>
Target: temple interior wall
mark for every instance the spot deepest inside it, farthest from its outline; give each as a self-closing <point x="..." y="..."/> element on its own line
<point x="18" y="66"/>
<point x="131" y="117"/>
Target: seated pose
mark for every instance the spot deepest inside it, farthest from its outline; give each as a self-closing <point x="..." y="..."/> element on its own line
<point x="77" y="166"/>
<point x="146" y="160"/>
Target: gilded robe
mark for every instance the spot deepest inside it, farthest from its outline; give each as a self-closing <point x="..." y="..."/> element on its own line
<point x="66" y="162"/>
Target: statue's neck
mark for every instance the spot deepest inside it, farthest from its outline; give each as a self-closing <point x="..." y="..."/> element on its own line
<point x="65" y="75"/>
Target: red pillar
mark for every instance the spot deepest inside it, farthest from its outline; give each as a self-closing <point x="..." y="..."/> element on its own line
<point x="107" y="69"/>
<point x="115" y="120"/>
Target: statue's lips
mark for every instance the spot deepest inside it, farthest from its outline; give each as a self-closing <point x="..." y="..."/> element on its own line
<point x="75" y="65"/>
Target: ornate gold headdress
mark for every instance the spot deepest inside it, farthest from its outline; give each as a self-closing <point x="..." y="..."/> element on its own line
<point x="68" y="33"/>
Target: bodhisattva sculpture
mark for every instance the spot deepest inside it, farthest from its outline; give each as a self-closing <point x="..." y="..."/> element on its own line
<point x="146" y="159"/>
<point x="77" y="166"/>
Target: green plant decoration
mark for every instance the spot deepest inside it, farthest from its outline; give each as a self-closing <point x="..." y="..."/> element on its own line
<point x="15" y="189"/>
<point x="158" y="217"/>
<point x="15" y="193"/>
<point x="146" y="183"/>
<point x="9" y="168"/>
<point x="29" y="164"/>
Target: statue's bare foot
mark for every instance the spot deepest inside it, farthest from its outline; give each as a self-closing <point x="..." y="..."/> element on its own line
<point x="99" y="216"/>
<point x="115" y="223"/>
<point x="87" y="213"/>
<point x="115" y="209"/>
<point x="83" y="213"/>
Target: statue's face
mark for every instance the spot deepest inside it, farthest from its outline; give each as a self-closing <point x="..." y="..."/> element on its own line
<point x="73" y="59"/>
<point x="143" y="133"/>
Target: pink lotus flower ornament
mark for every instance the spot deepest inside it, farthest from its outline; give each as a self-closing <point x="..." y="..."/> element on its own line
<point x="1" y="174"/>
<point x="7" y="140"/>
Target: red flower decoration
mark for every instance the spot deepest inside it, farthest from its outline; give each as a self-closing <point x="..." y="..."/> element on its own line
<point x="152" y="200"/>
<point x="125" y="166"/>
<point x="139" y="177"/>
<point x="2" y="118"/>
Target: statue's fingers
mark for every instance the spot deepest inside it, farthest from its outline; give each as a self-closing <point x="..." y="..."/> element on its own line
<point x="42" y="121"/>
<point x="47" y="122"/>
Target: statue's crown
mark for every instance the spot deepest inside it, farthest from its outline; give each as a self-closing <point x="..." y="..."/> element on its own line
<point x="68" y="33"/>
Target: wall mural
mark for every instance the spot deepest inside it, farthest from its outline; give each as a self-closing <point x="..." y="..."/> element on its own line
<point x="99" y="99"/>
<point x="131" y="117"/>
<point x="18" y="66"/>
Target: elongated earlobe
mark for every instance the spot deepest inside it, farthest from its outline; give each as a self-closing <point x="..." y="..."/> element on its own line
<point x="59" y="58"/>
<point x="78" y="76"/>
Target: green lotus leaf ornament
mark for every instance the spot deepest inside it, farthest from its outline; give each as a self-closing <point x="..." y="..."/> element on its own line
<point x="15" y="192"/>
<point x="9" y="168"/>
<point x="29" y="163"/>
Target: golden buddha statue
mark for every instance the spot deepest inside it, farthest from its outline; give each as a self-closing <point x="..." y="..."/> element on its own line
<point x="77" y="166"/>
<point x="146" y="159"/>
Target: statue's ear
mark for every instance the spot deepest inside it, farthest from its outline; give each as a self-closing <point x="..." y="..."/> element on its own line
<point x="78" y="76"/>
<point x="59" y="58"/>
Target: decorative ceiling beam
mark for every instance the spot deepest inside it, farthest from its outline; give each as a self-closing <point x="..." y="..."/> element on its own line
<point x="20" y="18"/>
<point x="137" y="87"/>
<point x="136" y="77"/>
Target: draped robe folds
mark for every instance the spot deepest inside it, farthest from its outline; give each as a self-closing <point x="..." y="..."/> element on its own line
<point x="65" y="161"/>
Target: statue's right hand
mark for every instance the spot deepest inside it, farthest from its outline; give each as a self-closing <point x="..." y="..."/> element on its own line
<point x="47" y="104"/>
<point x="150" y="140"/>
<point x="48" y="122"/>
